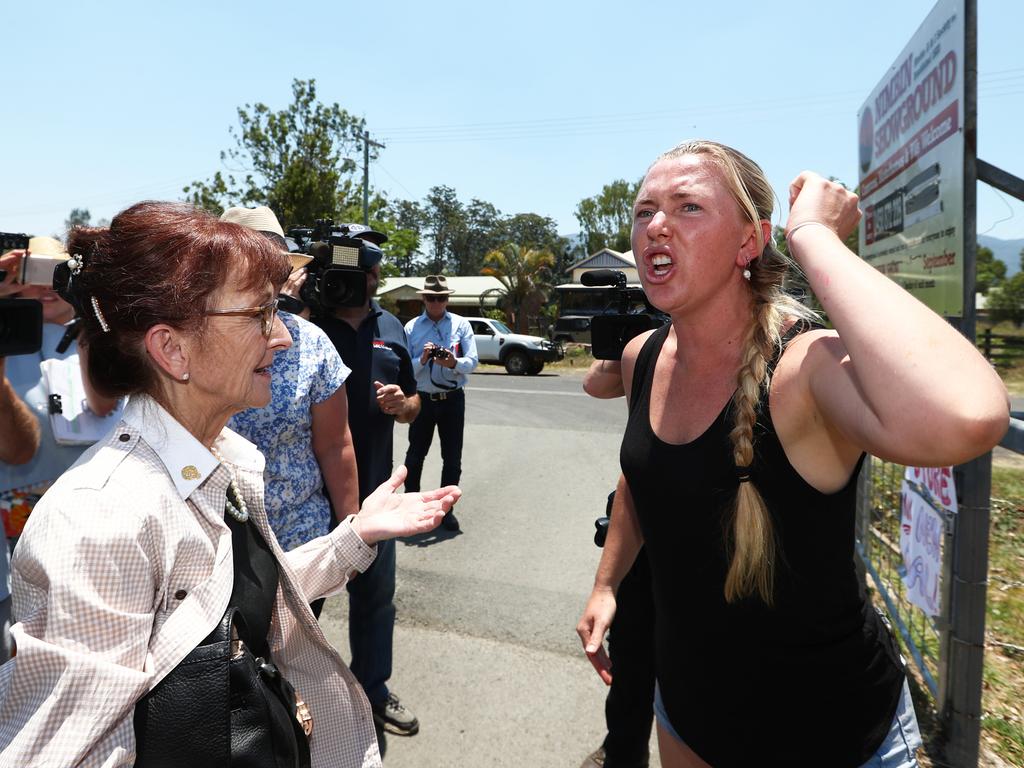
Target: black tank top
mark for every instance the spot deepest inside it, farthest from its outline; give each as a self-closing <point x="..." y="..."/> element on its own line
<point x="812" y="681"/>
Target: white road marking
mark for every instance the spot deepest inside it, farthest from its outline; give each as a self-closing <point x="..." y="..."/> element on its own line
<point x="528" y="391"/>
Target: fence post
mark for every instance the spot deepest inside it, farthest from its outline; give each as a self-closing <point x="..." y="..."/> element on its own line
<point x="963" y="684"/>
<point x="962" y="671"/>
<point x="988" y="344"/>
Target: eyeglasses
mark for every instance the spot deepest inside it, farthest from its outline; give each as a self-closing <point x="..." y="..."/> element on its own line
<point x="435" y="299"/>
<point x="265" y="313"/>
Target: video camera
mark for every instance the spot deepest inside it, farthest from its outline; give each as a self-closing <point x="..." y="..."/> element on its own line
<point x="342" y="255"/>
<point x="21" y="320"/>
<point x="627" y="314"/>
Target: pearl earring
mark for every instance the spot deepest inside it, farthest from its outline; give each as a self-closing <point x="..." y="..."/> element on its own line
<point x="185" y="376"/>
<point x="746" y="273"/>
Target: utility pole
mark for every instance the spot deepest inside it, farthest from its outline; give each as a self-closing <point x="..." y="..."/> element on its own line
<point x="366" y="173"/>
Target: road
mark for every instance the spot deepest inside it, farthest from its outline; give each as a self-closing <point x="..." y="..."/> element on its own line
<point x="486" y="653"/>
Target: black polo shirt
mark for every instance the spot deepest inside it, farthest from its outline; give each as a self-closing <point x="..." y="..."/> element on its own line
<point x="378" y="351"/>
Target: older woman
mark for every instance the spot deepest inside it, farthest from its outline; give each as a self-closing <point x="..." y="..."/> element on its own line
<point x="132" y="557"/>
<point x="746" y="430"/>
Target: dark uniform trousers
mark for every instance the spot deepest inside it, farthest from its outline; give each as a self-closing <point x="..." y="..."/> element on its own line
<point x="446" y="411"/>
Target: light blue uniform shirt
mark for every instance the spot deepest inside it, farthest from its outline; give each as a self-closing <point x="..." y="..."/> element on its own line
<point x="454" y="334"/>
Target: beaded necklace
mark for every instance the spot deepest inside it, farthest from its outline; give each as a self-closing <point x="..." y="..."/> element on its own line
<point x="236" y="507"/>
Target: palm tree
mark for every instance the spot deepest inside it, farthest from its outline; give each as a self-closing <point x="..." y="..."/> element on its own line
<point x="525" y="275"/>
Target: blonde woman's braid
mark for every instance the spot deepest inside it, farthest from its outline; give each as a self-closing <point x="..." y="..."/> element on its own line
<point x="751" y="570"/>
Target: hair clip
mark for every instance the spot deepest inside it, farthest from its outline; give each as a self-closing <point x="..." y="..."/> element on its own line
<point x="99" y="315"/>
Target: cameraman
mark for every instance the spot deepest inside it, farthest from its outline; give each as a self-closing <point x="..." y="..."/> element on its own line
<point x="30" y="457"/>
<point x="381" y="391"/>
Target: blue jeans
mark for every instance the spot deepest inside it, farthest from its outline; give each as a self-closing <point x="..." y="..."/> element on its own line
<point x="898" y="749"/>
<point x="371" y="623"/>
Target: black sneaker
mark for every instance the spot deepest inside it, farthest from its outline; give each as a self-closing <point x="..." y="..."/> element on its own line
<point x="450" y="521"/>
<point x="394" y="718"/>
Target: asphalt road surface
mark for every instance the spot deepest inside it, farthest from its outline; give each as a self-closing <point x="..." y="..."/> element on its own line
<point x="486" y="653"/>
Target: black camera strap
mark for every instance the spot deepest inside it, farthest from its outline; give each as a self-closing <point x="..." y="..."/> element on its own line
<point x="442" y="384"/>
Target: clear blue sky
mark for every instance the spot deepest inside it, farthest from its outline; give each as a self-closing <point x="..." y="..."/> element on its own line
<point x="529" y="105"/>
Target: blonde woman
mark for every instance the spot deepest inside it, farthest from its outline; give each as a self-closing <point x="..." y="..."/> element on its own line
<point x="747" y="427"/>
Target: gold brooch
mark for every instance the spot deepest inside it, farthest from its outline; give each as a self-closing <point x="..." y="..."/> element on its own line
<point x="190" y="473"/>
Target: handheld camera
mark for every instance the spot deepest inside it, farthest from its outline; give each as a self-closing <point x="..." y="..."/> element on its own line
<point x="21" y="320"/>
<point x="627" y="314"/>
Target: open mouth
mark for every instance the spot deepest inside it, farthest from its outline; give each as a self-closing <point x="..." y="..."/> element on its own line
<point x="661" y="264"/>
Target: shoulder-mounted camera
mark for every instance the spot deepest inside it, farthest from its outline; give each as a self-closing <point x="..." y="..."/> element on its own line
<point x="342" y="255"/>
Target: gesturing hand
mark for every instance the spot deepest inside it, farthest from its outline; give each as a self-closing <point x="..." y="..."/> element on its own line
<point x="390" y="398"/>
<point x="386" y="514"/>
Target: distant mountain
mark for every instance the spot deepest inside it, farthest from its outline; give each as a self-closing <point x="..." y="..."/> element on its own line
<point x="1007" y="251"/>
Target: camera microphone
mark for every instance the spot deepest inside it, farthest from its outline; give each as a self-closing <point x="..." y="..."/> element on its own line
<point x="596" y="277"/>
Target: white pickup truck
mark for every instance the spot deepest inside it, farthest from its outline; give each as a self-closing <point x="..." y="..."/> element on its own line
<point x="520" y="354"/>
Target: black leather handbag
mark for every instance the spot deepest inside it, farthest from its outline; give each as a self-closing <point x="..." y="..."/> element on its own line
<point x="222" y="706"/>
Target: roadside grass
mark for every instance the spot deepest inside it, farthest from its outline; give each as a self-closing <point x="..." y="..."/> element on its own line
<point x="1003" y="693"/>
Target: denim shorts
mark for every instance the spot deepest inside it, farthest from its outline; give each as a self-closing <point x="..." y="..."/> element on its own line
<point x="898" y="749"/>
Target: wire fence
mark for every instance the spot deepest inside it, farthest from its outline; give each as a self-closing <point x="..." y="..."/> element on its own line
<point x="937" y="645"/>
<point x="879" y="548"/>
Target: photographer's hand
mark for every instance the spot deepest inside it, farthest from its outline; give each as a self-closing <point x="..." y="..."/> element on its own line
<point x="293" y="285"/>
<point x="425" y="356"/>
<point x="10" y="263"/>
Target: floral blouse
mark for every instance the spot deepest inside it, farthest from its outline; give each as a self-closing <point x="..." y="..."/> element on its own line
<point x="307" y="373"/>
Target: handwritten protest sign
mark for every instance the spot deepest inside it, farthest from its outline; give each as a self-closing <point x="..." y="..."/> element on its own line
<point x="928" y="495"/>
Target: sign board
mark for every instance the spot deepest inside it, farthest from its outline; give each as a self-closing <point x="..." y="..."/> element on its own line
<point x="928" y="497"/>
<point x="911" y="161"/>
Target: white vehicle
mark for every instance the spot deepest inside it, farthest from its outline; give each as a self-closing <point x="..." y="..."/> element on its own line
<point x="520" y="354"/>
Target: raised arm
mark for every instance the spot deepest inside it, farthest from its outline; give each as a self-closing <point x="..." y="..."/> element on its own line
<point x="896" y="380"/>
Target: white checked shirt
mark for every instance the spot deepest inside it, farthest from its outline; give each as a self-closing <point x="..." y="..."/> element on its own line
<point x="125" y="566"/>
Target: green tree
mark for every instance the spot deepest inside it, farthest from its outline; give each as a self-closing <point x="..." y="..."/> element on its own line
<point x="482" y="231"/>
<point x="79" y="217"/>
<point x="1006" y="300"/>
<point x="525" y="276"/>
<point x="990" y="271"/>
<point x="294" y="160"/>
<point x="607" y="218"/>
<point x="444" y="217"/>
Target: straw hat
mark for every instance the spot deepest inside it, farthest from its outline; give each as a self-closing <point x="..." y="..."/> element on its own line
<point x="263" y="220"/>
<point x="47" y="246"/>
